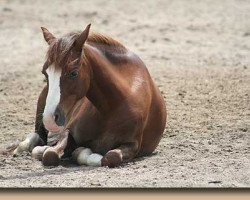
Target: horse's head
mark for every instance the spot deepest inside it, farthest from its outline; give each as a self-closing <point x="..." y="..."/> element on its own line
<point x="67" y="74"/>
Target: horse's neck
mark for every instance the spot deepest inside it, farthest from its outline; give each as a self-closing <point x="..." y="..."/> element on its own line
<point x="107" y="87"/>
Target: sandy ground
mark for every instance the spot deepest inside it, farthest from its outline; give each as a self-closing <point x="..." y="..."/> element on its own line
<point x="198" y="53"/>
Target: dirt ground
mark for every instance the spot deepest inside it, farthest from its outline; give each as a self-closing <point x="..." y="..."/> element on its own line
<point x="198" y="53"/>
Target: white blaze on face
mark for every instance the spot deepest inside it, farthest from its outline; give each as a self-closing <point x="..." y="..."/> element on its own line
<point x="53" y="98"/>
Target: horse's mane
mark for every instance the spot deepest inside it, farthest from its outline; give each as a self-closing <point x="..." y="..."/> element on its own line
<point x="101" y="39"/>
<point x="59" y="50"/>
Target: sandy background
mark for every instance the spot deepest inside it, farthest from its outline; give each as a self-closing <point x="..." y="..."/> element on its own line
<point x="198" y="53"/>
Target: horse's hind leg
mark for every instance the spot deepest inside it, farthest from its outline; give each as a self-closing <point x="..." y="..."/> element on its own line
<point x="84" y="156"/>
<point x="39" y="137"/>
<point x="122" y="154"/>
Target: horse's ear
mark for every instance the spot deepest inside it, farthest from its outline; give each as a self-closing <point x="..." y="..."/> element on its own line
<point x="48" y="36"/>
<point x="82" y="38"/>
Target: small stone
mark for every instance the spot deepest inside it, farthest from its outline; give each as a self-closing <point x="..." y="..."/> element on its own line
<point x="243" y="129"/>
<point x="172" y="135"/>
<point x="7" y="9"/>
<point x="95" y="184"/>
<point x="246" y="34"/>
<point x="153" y="40"/>
<point x="2" y="177"/>
<point x="215" y="182"/>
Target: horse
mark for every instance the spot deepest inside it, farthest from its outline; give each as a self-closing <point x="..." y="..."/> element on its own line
<point x="100" y="100"/>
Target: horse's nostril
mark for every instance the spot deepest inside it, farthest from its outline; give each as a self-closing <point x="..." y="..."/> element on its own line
<point x="59" y="118"/>
<point x="56" y="117"/>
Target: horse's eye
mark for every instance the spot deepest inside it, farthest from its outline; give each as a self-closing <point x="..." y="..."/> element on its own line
<point x="73" y="74"/>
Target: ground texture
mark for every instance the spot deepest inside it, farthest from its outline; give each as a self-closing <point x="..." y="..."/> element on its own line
<point x="198" y="53"/>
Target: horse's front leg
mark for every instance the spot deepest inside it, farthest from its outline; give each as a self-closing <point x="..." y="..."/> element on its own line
<point x="38" y="151"/>
<point x="52" y="155"/>
<point x="28" y="144"/>
<point x="124" y="153"/>
<point x="39" y="137"/>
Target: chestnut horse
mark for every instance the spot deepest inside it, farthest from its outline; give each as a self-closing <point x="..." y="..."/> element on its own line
<point x="100" y="100"/>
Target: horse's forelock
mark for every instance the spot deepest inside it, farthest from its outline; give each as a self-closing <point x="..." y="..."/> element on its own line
<point x="59" y="50"/>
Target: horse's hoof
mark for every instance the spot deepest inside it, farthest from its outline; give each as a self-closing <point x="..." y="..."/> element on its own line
<point x="112" y="158"/>
<point x="23" y="146"/>
<point x="28" y="144"/>
<point x="50" y="158"/>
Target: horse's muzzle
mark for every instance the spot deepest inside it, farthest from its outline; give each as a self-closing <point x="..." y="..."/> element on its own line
<point x="54" y="122"/>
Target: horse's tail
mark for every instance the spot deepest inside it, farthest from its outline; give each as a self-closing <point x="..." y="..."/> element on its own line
<point x="7" y="149"/>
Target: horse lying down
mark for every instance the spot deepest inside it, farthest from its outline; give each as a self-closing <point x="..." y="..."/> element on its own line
<point x="99" y="99"/>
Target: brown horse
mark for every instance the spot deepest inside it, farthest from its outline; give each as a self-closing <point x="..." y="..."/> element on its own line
<point x="101" y="101"/>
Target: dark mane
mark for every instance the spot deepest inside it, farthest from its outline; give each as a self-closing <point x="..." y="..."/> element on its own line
<point x="60" y="50"/>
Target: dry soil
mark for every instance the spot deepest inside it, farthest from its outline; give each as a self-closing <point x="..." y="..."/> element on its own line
<point x="198" y="53"/>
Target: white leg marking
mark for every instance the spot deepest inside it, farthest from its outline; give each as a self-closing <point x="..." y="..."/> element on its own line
<point x="84" y="156"/>
<point x="37" y="152"/>
<point x="76" y="153"/>
<point x="28" y="144"/>
<point x="94" y="160"/>
<point x="53" y="97"/>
